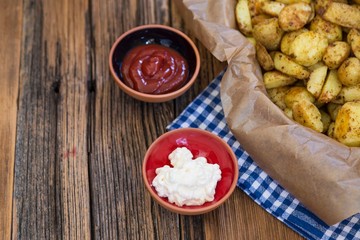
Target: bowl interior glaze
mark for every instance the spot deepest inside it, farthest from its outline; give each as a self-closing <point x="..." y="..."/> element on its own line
<point x="200" y="143"/>
<point x="154" y="35"/>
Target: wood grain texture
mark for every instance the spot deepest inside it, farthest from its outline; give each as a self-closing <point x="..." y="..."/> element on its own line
<point x="80" y="140"/>
<point x="72" y="152"/>
<point x="34" y="196"/>
<point x="240" y="218"/>
<point x="51" y="191"/>
<point x="10" y="23"/>
<point x="122" y="130"/>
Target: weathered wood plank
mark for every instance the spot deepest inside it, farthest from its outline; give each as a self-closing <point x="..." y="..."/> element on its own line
<point x="51" y="174"/>
<point x="73" y="116"/>
<point x="122" y="130"/>
<point x="239" y="218"/>
<point x="10" y="24"/>
<point x="34" y="196"/>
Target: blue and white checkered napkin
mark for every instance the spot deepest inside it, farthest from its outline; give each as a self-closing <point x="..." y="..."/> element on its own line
<point x="206" y="112"/>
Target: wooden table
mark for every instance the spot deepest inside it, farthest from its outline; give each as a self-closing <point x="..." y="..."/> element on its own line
<point x="72" y="143"/>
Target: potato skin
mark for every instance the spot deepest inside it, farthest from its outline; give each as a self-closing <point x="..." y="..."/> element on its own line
<point x="330" y="30"/>
<point x="331" y="88"/>
<point x="259" y="18"/>
<point x="288" y="113"/>
<point x="308" y="48"/>
<point x="272" y="8"/>
<point x="288" y="38"/>
<point x="294" y="16"/>
<point x="336" y="53"/>
<point x="293" y="1"/>
<point x="316" y="80"/>
<point x="296" y="94"/>
<point x="277" y="96"/>
<point x="285" y="64"/>
<point x="255" y="7"/>
<point x="263" y="57"/>
<point x="341" y="14"/>
<point x="243" y="18"/>
<point x="268" y="33"/>
<point x="275" y="79"/>
<point x="349" y="72"/>
<point x="347" y="124"/>
<point x="348" y="94"/>
<point x="308" y="115"/>
<point x="353" y="38"/>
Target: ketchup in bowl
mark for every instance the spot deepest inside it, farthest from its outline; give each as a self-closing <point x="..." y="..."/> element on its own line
<point x="154" y="68"/>
<point x="154" y="63"/>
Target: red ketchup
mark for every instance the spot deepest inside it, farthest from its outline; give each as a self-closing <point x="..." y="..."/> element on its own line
<point x="154" y="69"/>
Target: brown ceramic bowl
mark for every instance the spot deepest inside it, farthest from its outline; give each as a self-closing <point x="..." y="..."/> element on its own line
<point x="200" y="143"/>
<point x="154" y="34"/>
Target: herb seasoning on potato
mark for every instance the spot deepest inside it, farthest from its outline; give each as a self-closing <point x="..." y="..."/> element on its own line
<point x="309" y="53"/>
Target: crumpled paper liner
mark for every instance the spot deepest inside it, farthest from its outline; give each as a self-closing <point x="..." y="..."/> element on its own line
<point x="322" y="173"/>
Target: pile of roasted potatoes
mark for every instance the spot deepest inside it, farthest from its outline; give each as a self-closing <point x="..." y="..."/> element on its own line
<point x="309" y="52"/>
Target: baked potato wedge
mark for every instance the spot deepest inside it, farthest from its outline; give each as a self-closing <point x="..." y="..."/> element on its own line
<point x="285" y="64"/>
<point x="294" y="16"/>
<point x="277" y="96"/>
<point x="268" y="33"/>
<point x="293" y="1"/>
<point x="259" y="18"/>
<point x="308" y="115"/>
<point x="255" y="7"/>
<point x="252" y="40"/>
<point x="320" y="6"/>
<point x="348" y="94"/>
<point x="272" y="8"/>
<point x="316" y="80"/>
<point x="342" y="14"/>
<point x="347" y="124"/>
<point x="353" y="38"/>
<point x="243" y="18"/>
<point x="349" y="72"/>
<point x="263" y="57"/>
<point x="331" y="31"/>
<point x="296" y="94"/>
<point x="275" y="79"/>
<point x="336" y="53"/>
<point x="331" y="88"/>
<point x="288" y="112"/>
<point x="308" y="48"/>
<point x="288" y="38"/>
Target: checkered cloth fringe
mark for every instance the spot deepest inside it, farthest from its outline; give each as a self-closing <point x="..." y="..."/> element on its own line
<point x="206" y="112"/>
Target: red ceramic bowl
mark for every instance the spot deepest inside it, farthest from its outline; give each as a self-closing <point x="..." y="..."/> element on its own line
<point x="200" y="143"/>
<point x="154" y="34"/>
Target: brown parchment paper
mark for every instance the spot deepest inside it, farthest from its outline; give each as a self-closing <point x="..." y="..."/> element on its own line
<point x="322" y="173"/>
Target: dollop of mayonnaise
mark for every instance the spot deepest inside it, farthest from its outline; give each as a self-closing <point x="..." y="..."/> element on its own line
<point x="190" y="181"/>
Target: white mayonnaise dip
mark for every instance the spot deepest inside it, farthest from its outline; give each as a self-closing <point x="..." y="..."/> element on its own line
<point x="190" y="181"/>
